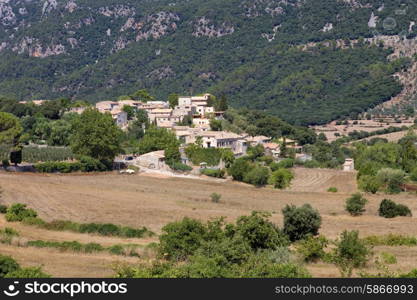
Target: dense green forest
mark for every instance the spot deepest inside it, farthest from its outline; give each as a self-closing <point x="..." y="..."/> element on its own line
<point x="246" y="49"/>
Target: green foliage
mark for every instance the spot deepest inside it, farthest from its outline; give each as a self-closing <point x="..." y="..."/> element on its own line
<point x="30" y="272"/>
<point x="391" y="240"/>
<point x="86" y="164"/>
<point x="286" y="163"/>
<point x="239" y="169"/>
<point x="96" y="135"/>
<point x="369" y="184"/>
<point x="332" y="189"/>
<point x="300" y="222"/>
<point x="17" y="212"/>
<point x="215" y="197"/>
<point x="281" y="178"/>
<point x="3" y="209"/>
<point x="218" y="173"/>
<point x="350" y="252"/>
<point x="178" y="166"/>
<point x="257" y="176"/>
<point x="355" y="204"/>
<point x="388" y="258"/>
<point x="311" y="248"/>
<point x="7" y="265"/>
<point x="389" y="209"/>
<point x="35" y="154"/>
<point x="157" y="139"/>
<point x="173" y="100"/>
<point x="259" y="232"/>
<point x="180" y="239"/>
<point x="198" y="155"/>
<point x="391" y="179"/>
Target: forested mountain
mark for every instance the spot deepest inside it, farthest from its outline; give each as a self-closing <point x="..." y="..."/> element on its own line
<point x="250" y="50"/>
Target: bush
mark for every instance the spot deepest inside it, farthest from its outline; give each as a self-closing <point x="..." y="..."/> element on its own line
<point x="85" y="164"/>
<point x="3" y="209"/>
<point x="332" y="189"/>
<point x="369" y="184"/>
<point x="218" y="173"/>
<point x="17" y="212"/>
<point x="239" y="169"/>
<point x="312" y="164"/>
<point x="5" y="163"/>
<point x="350" y="253"/>
<point x="391" y="179"/>
<point x="389" y="209"/>
<point x="299" y="222"/>
<point x="388" y="258"/>
<point x="283" y="164"/>
<point x="258" y="231"/>
<point x="215" y="198"/>
<point x="311" y="249"/>
<point x="178" y="166"/>
<point x="7" y="265"/>
<point x="391" y="240"/>
<point x="257" y="176"/>
<point x="355" y="204"/>
<point x="180" y="239"/>
<point x="31" y="272"/>
<point x="281" y="178"/>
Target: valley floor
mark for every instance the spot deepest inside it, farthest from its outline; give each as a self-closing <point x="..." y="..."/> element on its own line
<point x="143" y="200"/>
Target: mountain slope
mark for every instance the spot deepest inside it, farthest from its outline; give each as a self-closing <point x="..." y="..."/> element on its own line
<point x="246" y="49"/>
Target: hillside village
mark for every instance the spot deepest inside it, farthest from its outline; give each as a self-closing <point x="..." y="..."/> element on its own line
<point x="199" y="112"/>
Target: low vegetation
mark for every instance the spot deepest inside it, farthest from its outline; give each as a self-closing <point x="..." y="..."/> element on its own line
<point x="355" y="204"/>
<point x="20" y="213"/>
<point x="9" y="268"/>
<point x="390" y="209"/>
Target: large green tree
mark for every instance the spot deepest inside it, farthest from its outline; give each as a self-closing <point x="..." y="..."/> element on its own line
<point x="96" y="135"/>
<point x="10" y="132"/>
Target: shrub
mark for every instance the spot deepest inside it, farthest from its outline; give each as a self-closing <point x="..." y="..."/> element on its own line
<point x="257" y="176"/>
<point x="178" y="166"/>
<point x="299" y="222"/>
<point x="389" y="209"/>
<point x="369" y="184"/>
<point x="350" y="253"/>
<point x="5" y="163"/>
<point x="18" y="212"/>
<point x="312" y="164"/>
<point x="355" y="204"/>
<point x="239" y="169"/>
<point x="3" y="209"/>
<point x="259" y="266"/>
<point x="283" y="164"/>
<point x="180" y="239"/>
<point x="391" y="179"/>
<point x="218" y="173"/>
<point x="388" y="258"/>
<point x="311" y="249"/>
<point x="332" y="189"/>
<point x="215" y="198"/>
<point x="281" y="178"/>
<point x="31" y="272"/>
<point x="7" y="265"/>
<point x="391" y="240"/>
<point x="258" y="231"/>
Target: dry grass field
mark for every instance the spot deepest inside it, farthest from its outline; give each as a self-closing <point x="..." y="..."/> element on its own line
<point x="141" y="200"/>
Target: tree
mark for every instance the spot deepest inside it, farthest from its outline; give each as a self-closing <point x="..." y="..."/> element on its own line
<point x="216" y="125"/>
<point x="257" y="176"/>
<point x="390" y="209"/>
<point x="142" y="95"/>
<point x="239" y="169"/>
<point x="300" y="222"/>
<point x="281" y="178"/>
<point x="157" y="139"/>
<point x="221" y="104"/>
<point x="322" y="137"/>
<point x="129" y="110"/>
<point x="355" y="204"/>
<point x="350" y="253"/>
<point x="173" y="100"/>
<point x="369" y="184"/>
<point x="96" y="135"/>
<point x="391" y="179"/>
<point x="10" y="133"/>
<point x="10" y="129"/>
